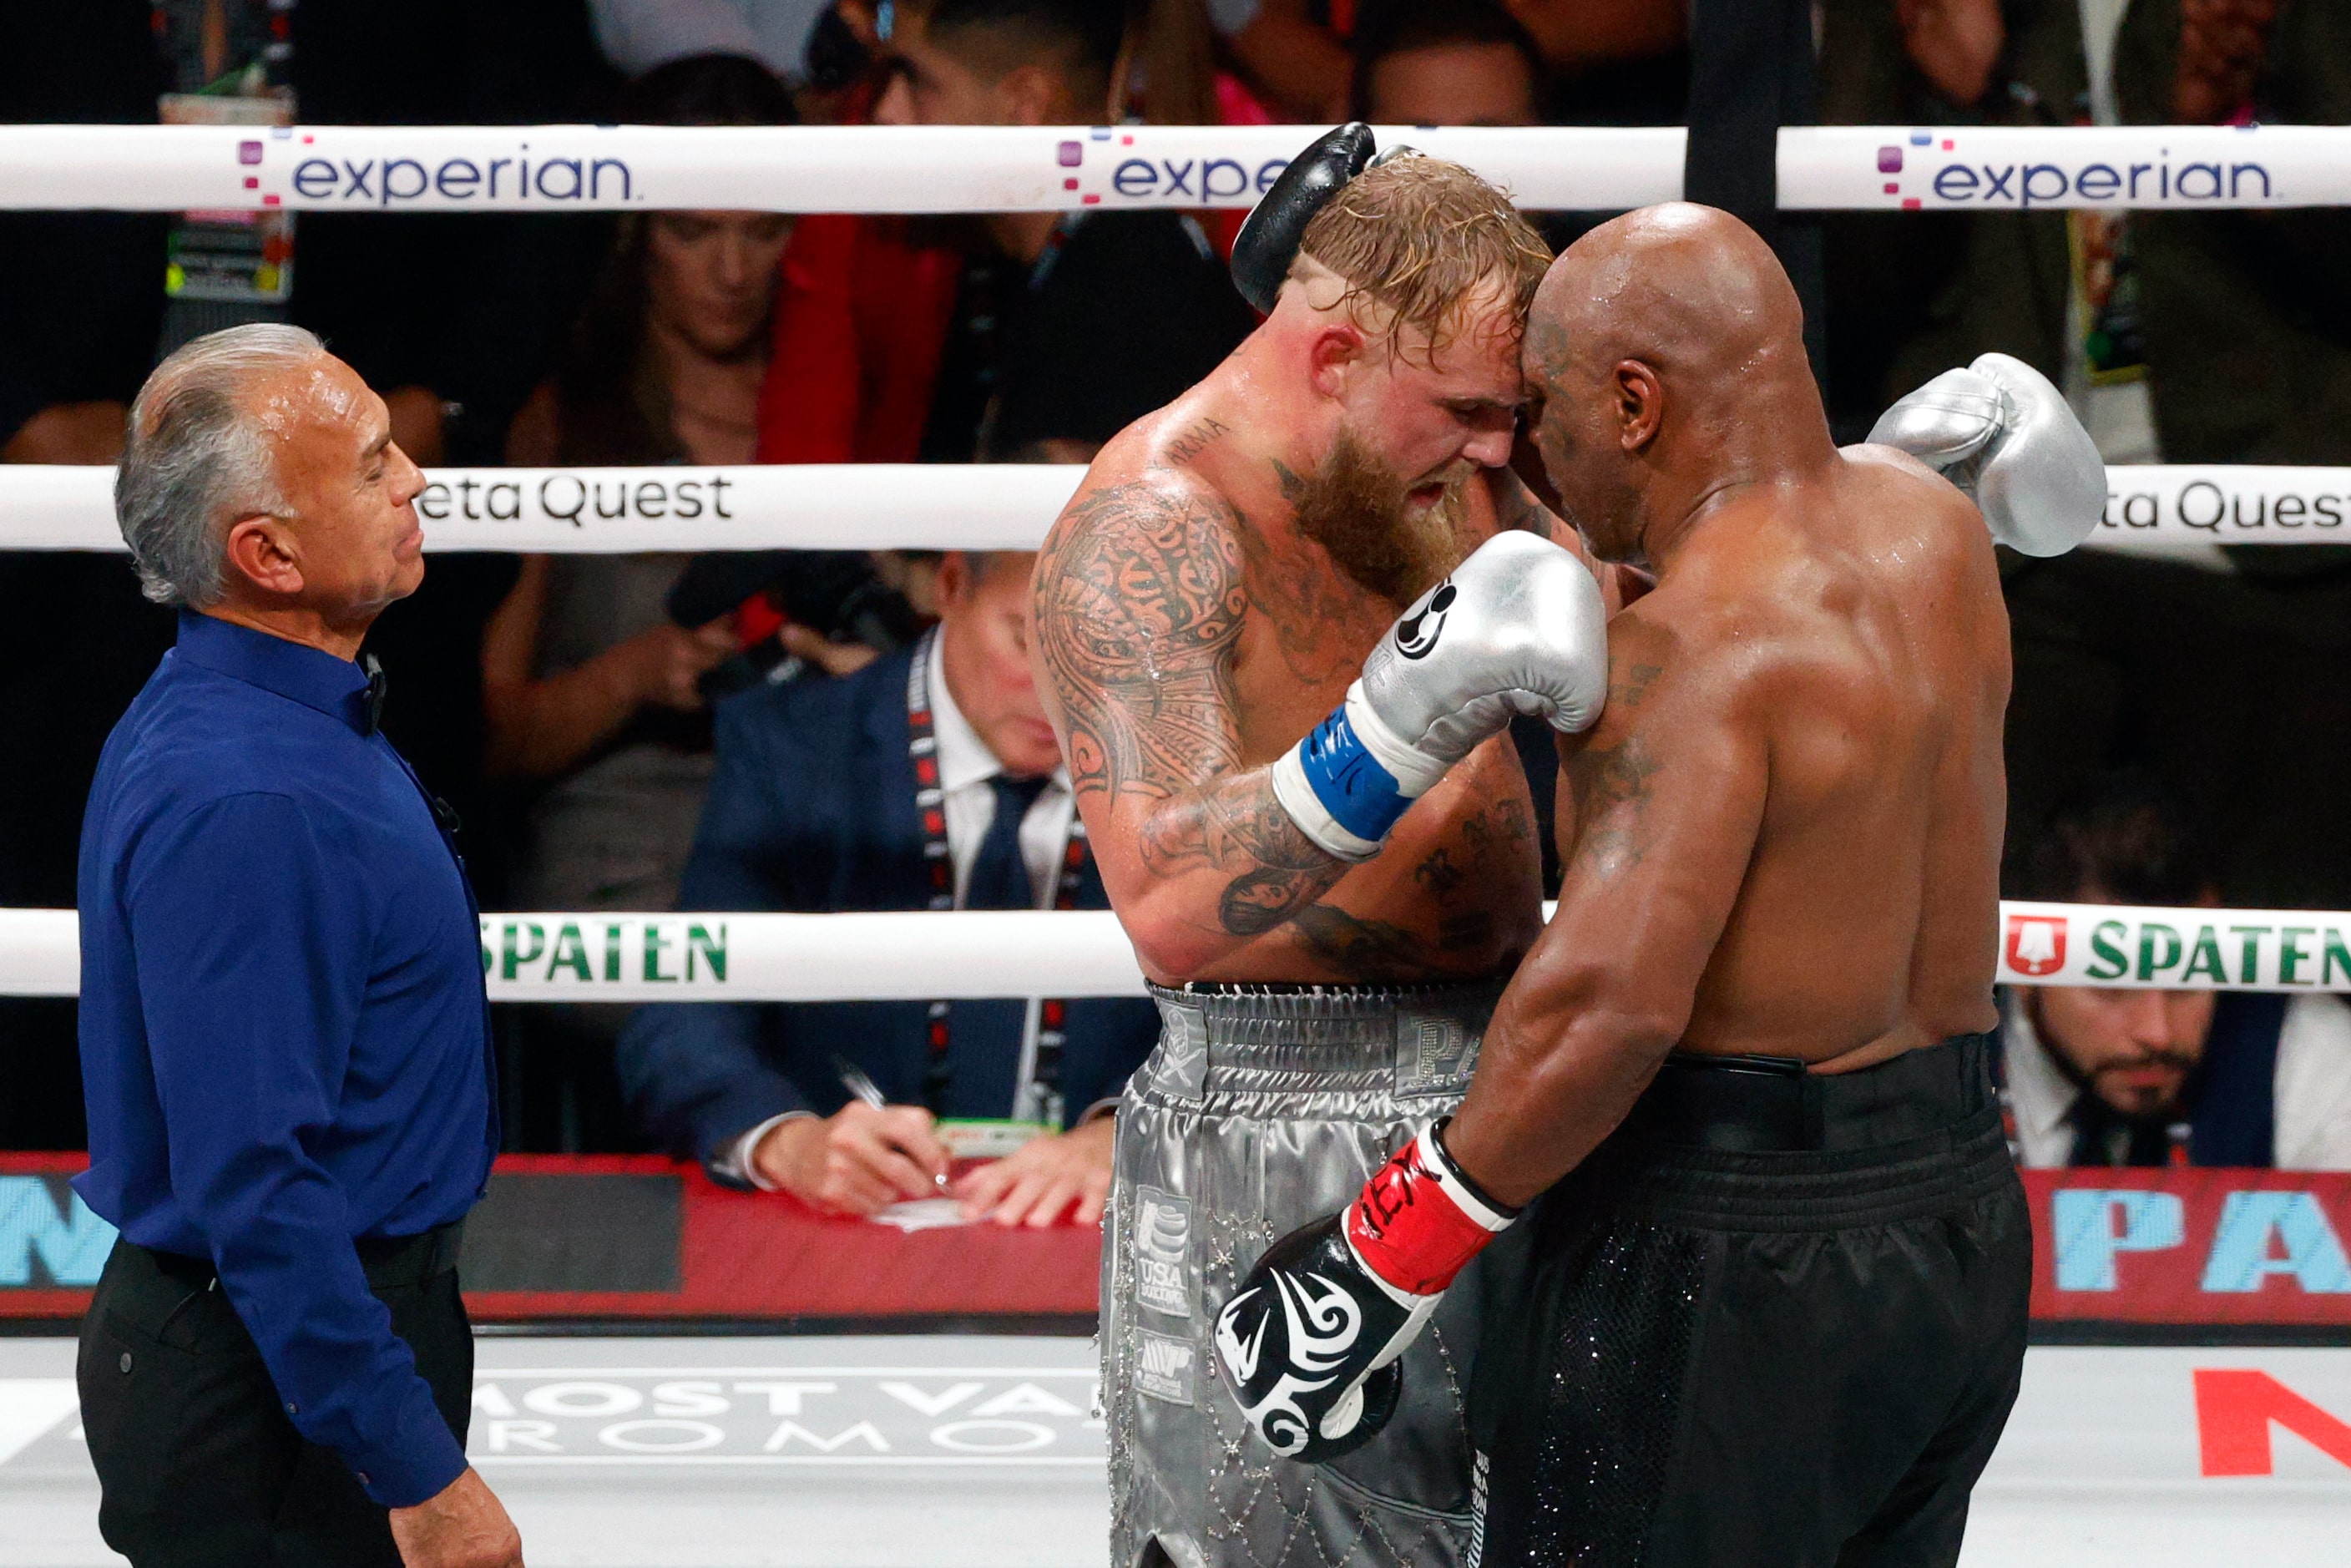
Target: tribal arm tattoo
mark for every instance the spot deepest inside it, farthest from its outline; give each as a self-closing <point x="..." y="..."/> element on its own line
<point x="1139" y="601"/>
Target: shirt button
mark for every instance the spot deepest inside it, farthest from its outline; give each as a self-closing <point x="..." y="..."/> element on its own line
<point x="126" y="1361"/>
<point x="289" y="1409"/>
<point x="363" y="1478"/>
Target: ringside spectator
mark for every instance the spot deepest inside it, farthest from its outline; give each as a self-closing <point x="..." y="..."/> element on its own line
<point x="815" y="809"/>
<point x="590" y="696"/>
<point x="1292" y="52"/>
<point x="1445" y="62"/>
<point x="1612" y="62"/>
<point x="2099" y="1076"/>
<point x="950" y="340"/>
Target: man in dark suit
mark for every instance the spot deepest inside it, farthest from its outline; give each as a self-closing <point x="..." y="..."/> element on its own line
<point x="929" y="780"/>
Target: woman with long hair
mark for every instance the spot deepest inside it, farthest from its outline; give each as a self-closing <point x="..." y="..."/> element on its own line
<point x="594" y="712"/>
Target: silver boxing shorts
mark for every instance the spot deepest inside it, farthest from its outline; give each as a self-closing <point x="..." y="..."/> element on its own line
<point x="1265" y="1107"/>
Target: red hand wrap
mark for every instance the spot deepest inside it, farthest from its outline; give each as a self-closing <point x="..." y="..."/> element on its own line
<point x="1418" y="1224"/>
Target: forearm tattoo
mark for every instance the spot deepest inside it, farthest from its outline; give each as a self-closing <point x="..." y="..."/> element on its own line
<point x="1139" y="609"/>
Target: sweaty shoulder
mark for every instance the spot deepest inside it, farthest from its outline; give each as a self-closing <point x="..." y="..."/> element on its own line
<point x="1907" y="502"/>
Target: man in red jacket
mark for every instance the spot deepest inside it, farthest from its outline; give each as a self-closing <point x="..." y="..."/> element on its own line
<point x="946" y="340"/>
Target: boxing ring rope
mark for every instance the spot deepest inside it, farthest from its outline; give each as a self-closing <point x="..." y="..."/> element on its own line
<point x="744" y="957"/>
<point x="2153" y="509"/>
<point x="917" y="955"/>
<point x="994" y="169"/>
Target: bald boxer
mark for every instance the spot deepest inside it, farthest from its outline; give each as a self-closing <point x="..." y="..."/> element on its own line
<point x="1771" y="1305"/>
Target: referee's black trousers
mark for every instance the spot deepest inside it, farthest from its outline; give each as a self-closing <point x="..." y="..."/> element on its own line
<point x="199" y="1465"/>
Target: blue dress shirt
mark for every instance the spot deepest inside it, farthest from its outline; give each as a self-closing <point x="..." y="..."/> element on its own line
<point x="285" y="1039"/>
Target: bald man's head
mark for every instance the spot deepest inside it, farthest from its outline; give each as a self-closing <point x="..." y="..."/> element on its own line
<point x="1655" y="344"/>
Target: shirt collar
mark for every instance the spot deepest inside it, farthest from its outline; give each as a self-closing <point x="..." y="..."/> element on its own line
<point x="316" y="679"/>
<point x="2039" y="1094"/>
<point x="964" y="757"/>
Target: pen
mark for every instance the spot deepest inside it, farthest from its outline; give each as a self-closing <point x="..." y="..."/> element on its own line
<point x="853" y="1078"/>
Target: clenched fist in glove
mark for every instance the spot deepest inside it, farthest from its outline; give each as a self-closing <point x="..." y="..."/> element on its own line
<point x="1518" y="628"/>
<point x="1310" y="1339"/>
<point x="2007" y="438"/>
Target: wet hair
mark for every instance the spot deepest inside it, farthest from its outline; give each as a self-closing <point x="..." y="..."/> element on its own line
<point x="615" y="408"/>
<point x="196" y="458"/>
<point x="1081" y="37"/>
<point x="1407" y="27"/>
<point x="2123" y="838"/>
<point x="1419" y="236"/>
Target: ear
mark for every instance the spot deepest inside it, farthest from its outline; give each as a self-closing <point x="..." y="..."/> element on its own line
<point x="955" y="580"/>
<point x="260" y="551"/>
<point x="1336" y="348"/>
<point x="1029" y="94"/>
<point x="1640" y="403"/>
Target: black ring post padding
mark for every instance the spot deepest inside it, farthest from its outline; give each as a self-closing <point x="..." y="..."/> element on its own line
<point x="1269" y="239"/>
<point x="1752" y="72"/>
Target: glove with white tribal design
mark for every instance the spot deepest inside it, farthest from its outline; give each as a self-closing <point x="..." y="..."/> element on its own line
<point x="1311" y="1340"/>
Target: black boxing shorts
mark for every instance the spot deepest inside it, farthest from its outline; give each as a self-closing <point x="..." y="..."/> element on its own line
<point x="1776" y="1319"/>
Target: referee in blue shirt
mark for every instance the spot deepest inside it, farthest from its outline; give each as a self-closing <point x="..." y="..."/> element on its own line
<point x="284" y="1033"/>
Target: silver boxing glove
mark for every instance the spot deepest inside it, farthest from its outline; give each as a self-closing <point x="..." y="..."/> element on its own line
<point x="1518" y="628"/>
<point x="2007" y="438"/>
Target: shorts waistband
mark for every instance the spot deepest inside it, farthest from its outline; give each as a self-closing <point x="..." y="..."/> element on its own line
<point x="1772" y="1104"/>
<point x="1682" y="1184"/>
<point x="1410" y="1039"/>
<point x="389" y="1262"/>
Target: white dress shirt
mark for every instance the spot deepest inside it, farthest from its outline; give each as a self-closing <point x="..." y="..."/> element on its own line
<point x="965" y="766"/>
<point x="968" y="801"/>
<point x="2312" y="1089"/>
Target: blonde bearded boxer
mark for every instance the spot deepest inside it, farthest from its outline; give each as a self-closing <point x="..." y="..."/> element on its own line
<point x="1323" y="967"/>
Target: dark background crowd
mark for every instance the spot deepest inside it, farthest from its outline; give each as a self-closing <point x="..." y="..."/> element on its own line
<point x="2178" y="726"/>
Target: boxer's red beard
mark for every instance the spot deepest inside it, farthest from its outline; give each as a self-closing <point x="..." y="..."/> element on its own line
<point x="1357" y="508"/>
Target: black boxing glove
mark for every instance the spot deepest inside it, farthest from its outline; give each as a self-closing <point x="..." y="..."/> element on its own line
<point x="1311" y="1340"/>
<point x="1269" y="239"/>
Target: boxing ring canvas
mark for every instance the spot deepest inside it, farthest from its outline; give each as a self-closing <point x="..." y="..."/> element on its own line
<point x="981" y="1452"/>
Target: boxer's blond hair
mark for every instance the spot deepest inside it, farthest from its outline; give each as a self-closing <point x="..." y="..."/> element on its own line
<point x="1420" y="238"/>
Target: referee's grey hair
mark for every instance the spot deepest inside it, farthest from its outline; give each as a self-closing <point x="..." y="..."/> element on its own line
<point x="197" y="458"/>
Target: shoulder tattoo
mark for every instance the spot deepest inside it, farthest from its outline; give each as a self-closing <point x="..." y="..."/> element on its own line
<point x="1139" y="606"/>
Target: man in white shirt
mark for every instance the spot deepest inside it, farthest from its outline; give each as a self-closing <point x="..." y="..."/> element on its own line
<point x="2102" y="1076"/>
<point x="928" y="780"/>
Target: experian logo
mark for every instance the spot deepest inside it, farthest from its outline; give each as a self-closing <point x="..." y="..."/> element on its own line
<point x="1960" y="182"/>
<point x="382" y="182"/>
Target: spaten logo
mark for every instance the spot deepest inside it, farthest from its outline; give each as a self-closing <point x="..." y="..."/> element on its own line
<point x="2036" y="944"/>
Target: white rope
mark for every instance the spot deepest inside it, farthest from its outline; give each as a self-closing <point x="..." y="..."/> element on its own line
<point x="978" y="168"/>
<point x="916" y="506"/>
<point x="734" y="957"/>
